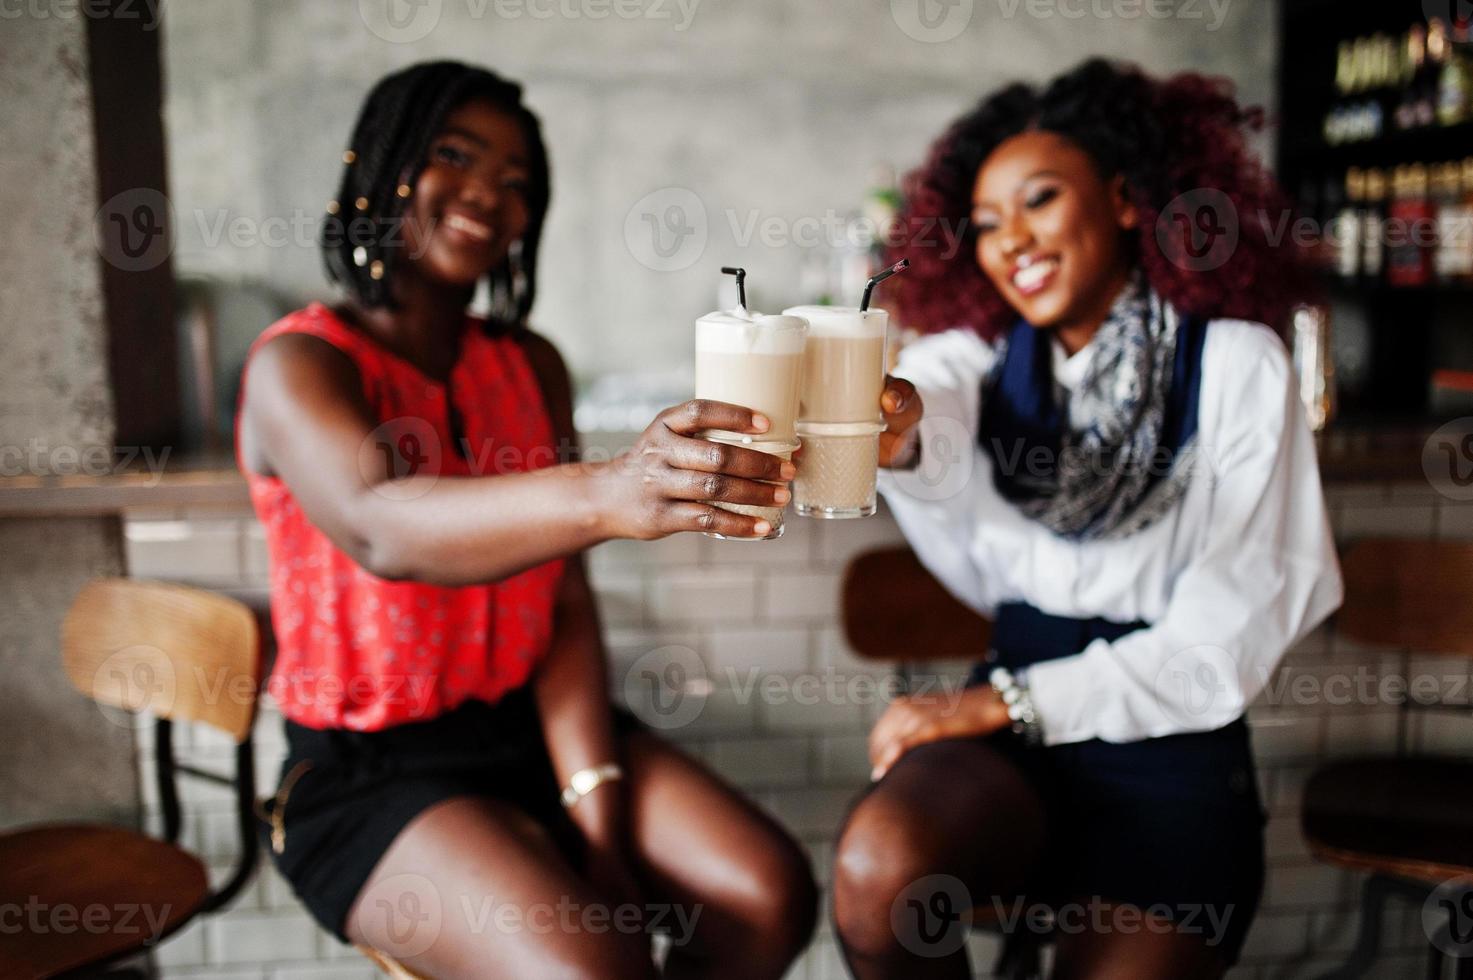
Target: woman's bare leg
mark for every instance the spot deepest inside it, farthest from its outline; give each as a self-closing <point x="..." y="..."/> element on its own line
<point x="1136" y="946"/>
<point x="475" y="888"/>
<point x="952" y="823"/>
<point x="701" y="846"/>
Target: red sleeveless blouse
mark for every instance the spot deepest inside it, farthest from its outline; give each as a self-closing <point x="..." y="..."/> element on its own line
<point x="356" y="651"/>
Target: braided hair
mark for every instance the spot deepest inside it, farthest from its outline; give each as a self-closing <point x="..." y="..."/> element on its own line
<point x="402" y="115"/>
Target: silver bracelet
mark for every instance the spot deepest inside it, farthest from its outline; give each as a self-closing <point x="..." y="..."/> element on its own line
<point x="585" y="781"/>
<point x="1013" y="689"/>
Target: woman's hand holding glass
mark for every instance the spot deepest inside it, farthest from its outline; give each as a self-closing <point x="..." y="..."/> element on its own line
<point x="900" y="406"/>
<point x="669" y="480"/>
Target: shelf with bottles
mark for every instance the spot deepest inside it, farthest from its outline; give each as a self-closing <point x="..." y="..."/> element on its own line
<point x="1392" y="87"/>
<point x="1409" y="227"/>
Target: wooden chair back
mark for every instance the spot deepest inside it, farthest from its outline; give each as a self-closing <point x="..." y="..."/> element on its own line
<point x="1413" y="594"/>
<point x="182" y="653"/>
<point x="896" y="610"/>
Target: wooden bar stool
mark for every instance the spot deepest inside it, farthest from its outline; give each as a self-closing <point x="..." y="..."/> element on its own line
<point x="1406" y="821"/>
<point x="183" y="655"/>
<point x="894" y="611"/>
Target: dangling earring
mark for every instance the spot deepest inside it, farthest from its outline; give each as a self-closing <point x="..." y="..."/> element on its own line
<point x="519" y="284"/>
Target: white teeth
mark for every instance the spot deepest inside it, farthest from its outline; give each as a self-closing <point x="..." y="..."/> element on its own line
<point x="1032" y="272"/>
<point x="473" y="228"/>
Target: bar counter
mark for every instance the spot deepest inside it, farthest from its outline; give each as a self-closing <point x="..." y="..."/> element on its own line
<point x="1348" y="455"/>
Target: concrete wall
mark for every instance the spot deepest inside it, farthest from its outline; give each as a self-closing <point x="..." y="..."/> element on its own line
<point x="59" y="755"/>
<point x="758" y="109"/>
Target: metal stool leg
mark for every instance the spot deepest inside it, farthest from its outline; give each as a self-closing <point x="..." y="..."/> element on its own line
<point x="1435" y="960"/>
<point x="1377" y="889"/>
<point x="1368" y="943"/>
<point x="1019" y="959"/>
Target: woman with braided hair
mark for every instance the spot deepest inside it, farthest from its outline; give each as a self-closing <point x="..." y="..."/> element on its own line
<point x="1100" y="446"/>
<point x="458" y="792"/>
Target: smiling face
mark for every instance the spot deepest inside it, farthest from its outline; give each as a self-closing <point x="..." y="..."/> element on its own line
<point x="1049" y="231"/>
<point x="470" y="202"/>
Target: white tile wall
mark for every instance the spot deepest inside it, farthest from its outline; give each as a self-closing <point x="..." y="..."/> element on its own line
<point x="767" y="614"/>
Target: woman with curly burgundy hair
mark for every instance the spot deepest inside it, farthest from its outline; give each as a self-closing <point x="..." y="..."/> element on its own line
<point x="1100" y="447"/>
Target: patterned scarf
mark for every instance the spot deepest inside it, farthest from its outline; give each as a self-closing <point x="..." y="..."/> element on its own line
<point x="1132" y="461"/>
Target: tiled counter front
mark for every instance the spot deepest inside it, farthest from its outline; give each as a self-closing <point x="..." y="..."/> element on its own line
<point x="789" y="707"/>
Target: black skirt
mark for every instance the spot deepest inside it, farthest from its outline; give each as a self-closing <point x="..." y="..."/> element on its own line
<point x="1172" y="825"/>
<point x="350" y="794"/>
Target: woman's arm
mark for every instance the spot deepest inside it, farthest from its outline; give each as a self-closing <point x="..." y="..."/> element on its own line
<point x="571" y="685"/>
<point x="305" y="416"/>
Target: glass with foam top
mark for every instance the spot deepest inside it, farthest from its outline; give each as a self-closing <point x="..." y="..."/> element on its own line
<point x="756" y="361"/>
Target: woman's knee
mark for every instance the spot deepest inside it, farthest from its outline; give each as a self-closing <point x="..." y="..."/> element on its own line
<point x="884" y="848"/>
<point x="775" y="908"/>
<point x="791" y="913"/>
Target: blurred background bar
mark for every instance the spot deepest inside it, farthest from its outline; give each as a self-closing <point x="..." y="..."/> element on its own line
<point x="164" y="169"/>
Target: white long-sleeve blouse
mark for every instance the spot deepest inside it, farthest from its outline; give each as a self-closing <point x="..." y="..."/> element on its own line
<point x="1236" y="573"/>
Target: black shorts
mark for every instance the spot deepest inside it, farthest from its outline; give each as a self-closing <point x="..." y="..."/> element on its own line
<point x="363" y="788"/>
<point x="1172" y="825"/>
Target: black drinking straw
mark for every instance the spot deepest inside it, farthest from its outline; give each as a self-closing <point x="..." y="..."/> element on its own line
<point x="741" y="278"/>
<point x="875" y="280"/>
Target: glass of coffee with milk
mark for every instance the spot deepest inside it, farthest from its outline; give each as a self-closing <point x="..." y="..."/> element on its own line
<point x="839" y="418"/>
<point x="746" y="358"/>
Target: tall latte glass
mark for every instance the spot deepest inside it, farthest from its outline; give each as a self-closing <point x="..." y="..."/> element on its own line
<point x="839" y="415"/>
<point x="755" y="361"/>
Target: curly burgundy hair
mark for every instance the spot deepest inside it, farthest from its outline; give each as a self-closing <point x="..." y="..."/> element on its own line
<point x="1179" y="143"/>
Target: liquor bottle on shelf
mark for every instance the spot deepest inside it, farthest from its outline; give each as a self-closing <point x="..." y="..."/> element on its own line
<point x="1415" y="108"/>
<point x="1452" y="224"/>
<point x="1313" y="365"/>
<point x="1439" y="57"/>
<point x="1455" y="81"/>
<point x="1373" y="226"/>
<point x="1410" y="233"/>
<point x="1466" y="185"/>
<point x="1347" y="232"/>
<point x="1364" y="67"/>
<point x="1325" y="252"/>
